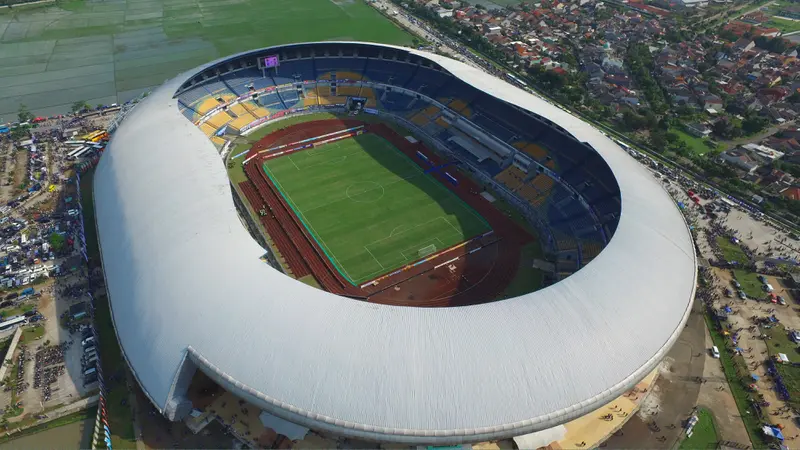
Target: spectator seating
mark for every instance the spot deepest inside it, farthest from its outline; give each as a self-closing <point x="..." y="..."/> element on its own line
<point x="298" y="69"/>
<point x="261" y="83"/>
<point x="590" y="250"/>
<point x="431" y="111"/>
<point x="255" y="109"/>
<point x="239" y="80"/>
<point x="338" y="100"/>
<point x="512" y="177"/>
<point x="427" y="81"/>
<point x="343" y="68"/>
<point x="493" y="127"/>
<point x="310" y="98"/>
<point x="348" y="91"/>
<point x="193" y="96"/>
<point x="421" y="119"/>
<point x="289" y="97"/>
<point x="458" y="89"/>
<point x="208" y="129"/>
<point x="389" y="72"/>
<point x="205" y="105"/>
<point x="535" y="151"/>
<point x="394" y="101"/>
<point x="324" y="90"/>
<point x="218" y="120"/>
<point x="461" y="107"/>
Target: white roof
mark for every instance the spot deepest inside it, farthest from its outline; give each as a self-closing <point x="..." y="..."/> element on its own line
<point x="184" y="274"/>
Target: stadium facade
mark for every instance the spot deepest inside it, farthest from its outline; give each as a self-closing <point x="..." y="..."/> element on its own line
<point x="189" y="290"/>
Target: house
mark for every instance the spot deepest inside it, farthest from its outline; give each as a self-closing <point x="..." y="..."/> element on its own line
<point x="743" y="45"/>
<point x="740" y="158"/>
<point x="444" y="12"/>
<point x="712" y="101"/>
<point x="792" y="193"/>
<point x="763" y="152"/>
<point x="697" y="129"/>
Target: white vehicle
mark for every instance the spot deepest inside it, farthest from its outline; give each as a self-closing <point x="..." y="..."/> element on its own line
<point x="87" y="341"/>
<point x="715" y="352"/>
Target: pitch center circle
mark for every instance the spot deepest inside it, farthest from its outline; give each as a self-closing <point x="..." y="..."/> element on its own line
<point x="365" y="192"/>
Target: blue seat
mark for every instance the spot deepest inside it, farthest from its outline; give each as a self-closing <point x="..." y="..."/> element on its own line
<point x="390" y="72"/>
<point x="327" y="65"/>
<point x="193" y="96"/>
<point x="239" y="80"/>
<point x="395" y="101"/>
<point x="299" y="68"/>
<point x="427" y="81"/>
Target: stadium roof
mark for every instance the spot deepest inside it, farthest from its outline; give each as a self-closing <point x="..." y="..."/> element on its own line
<point x="186" y="283"/>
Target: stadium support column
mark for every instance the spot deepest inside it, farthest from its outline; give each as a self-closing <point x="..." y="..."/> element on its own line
<point x="413" y="102"/>
<point x="178" y="404"/>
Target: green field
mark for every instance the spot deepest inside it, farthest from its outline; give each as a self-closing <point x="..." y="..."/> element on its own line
<point x="371" y="208"/>
<point x="750" y="283"/>
<point x="104" y="52"/>
<point x="785" y="25"/>
<point x="704" y="434"/>
<point x="695" y="144"/>
<point x="730" y="251"/>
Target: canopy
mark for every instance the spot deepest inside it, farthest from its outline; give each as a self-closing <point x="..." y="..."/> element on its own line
<point x="783" y="357"/>
<point x="772" y="431"/>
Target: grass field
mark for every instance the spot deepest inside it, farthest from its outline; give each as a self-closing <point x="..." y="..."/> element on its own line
<point x="695" y="144"/>
<point x="704" y="435"/>
<point x="376" y="209"/>
<point x="785" y="25"/>
<point x="730" y="251"/>
<point x="750" y="283"/>
<point x="111" y="51"/>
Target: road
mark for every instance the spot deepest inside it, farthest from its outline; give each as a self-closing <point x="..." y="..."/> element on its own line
<point x="758" y="137"/>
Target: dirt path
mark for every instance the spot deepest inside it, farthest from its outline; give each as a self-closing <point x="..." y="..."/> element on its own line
<point x="20" y="171"/>
<point x="715" y="395"/>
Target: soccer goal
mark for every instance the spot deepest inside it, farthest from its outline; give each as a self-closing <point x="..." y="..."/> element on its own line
<point x="427" y="250"/>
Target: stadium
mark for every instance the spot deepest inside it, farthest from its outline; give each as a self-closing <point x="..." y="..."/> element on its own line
<point x="338" y="233"/>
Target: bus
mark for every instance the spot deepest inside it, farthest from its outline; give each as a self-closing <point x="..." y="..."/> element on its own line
<point x="76" y="151"/>
<point x="84" y="150"/>
<point x="96" y="136"/>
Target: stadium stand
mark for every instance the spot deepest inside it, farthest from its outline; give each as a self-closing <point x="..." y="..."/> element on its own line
<point x="350" y="69"/>
<point x="390" y="72"/>
<point x="578" y="237"/>
<point x="299" y="69"/>
<point x="239" y="81"/>
<point x="512" y="177"/>
<point x="427" y="81"/>
<point x="348" y="90"/>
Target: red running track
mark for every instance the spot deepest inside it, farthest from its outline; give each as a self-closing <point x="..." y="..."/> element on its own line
<point x="477" y="277"/>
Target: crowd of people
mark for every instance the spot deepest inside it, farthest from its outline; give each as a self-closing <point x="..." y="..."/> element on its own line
<point x="48" y="367"/>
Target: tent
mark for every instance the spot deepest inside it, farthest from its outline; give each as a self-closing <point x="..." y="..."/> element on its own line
<point x="783" y="358"/>
<point x="728" y="309"/>
<point x="773" y="432"/>
<point x="754" y="377"/>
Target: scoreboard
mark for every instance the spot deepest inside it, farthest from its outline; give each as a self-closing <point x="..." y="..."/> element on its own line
<point x="271" y="61"/>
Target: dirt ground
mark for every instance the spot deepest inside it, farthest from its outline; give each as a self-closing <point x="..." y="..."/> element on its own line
<point x="20" y="171"/>
<point x="674" y="395"/>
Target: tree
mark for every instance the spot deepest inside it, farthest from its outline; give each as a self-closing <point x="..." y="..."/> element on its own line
<point x="754" y="124"/>
<point x="57" y="241"/>
<point x="79" y="106"/>
<point x="23" y="115"/>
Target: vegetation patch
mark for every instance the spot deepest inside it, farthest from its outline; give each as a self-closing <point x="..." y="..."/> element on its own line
<point x="704" y="434"/>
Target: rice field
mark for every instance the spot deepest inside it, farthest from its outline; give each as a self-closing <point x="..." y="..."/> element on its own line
<point x="111" y="51"/>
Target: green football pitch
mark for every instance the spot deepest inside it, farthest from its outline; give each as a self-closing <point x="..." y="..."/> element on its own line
<point x="369" y="207"/>
<point x="110" y="51"/>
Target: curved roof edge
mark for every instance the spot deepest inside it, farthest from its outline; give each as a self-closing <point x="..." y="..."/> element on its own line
<point x="210" y="359"/>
